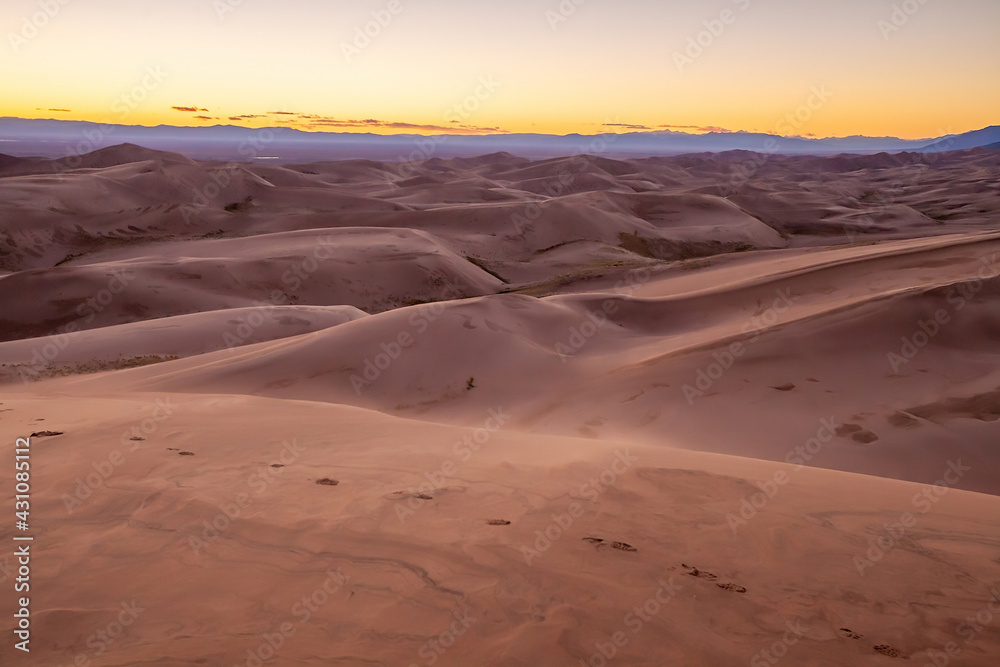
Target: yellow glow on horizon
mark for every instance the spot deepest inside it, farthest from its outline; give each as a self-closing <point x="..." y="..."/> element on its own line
<point x="936" y="75"/>
<point x="846" y="124"/>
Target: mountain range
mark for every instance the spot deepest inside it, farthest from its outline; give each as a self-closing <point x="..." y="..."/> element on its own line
<point x="59" y="138"/>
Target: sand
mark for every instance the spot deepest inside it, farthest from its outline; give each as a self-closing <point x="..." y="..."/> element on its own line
<point x="496" y="411"/>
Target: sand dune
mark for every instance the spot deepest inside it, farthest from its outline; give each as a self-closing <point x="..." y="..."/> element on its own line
<point x="165" y="338"/>
<point x="392" y="571"/>
<point x="371" y="269"/>
<point x="620" y="365"/>
<point x="484" y="407"/>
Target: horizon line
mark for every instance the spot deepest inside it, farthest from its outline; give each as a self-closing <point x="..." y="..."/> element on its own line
<point x="499" y="134"/>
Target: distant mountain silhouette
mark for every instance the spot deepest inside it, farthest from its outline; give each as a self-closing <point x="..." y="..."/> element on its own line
<point x="961" y="142"/>
<point x="59" y="139"/>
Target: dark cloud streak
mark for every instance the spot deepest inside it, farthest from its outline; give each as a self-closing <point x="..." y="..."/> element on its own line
<point x="698" y="128"/>
<point x="316" y="121"/>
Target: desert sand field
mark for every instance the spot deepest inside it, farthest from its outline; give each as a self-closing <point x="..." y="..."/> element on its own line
<point x="715" y="409"/>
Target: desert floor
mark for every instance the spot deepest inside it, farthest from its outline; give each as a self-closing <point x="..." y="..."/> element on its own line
<point x="707" y="410"/>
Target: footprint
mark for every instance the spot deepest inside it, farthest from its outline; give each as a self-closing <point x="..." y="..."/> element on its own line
<point x="136" y="438"/>
<point x="618" y="546"/>
<point x="857" y="433"/>
<point x="785" y="387"/>
<point x="497" y="522"/>
<point x="850" y="633"/>
<point x="701" y="574"/>
<point x="695" y="572"/>
<point x="418" y="496"/>
<point x="734" y="588"/>
<point x="326" y="481"/>
<point x="887" y="650"/>
<point x="186" y="453"/>
<point x="277" y="465"/>
<point x="45" y="434"/>
<point x="847" y="429"/>
<point x="864" y="437"/>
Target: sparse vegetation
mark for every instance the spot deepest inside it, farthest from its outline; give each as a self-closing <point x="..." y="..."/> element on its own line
<point x="100" y="366"/>
<point x="237" y="207"/>
<point x="68" y="258"/>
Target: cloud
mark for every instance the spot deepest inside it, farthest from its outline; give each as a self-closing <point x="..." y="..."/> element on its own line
<point x="312" y="122"/>
<point x="318" y="122"/>
<point x="628" y="126"/>
<point x="698" y="128"/>
<point x="60" y="110"/>
<point x="189" y="109"/>
<point x="206" y="118"/>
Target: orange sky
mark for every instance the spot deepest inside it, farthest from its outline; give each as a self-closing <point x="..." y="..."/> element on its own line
<point x="516" y="66"/>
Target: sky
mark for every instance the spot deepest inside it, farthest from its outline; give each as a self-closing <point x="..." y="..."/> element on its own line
<point x="905" y="68"/>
